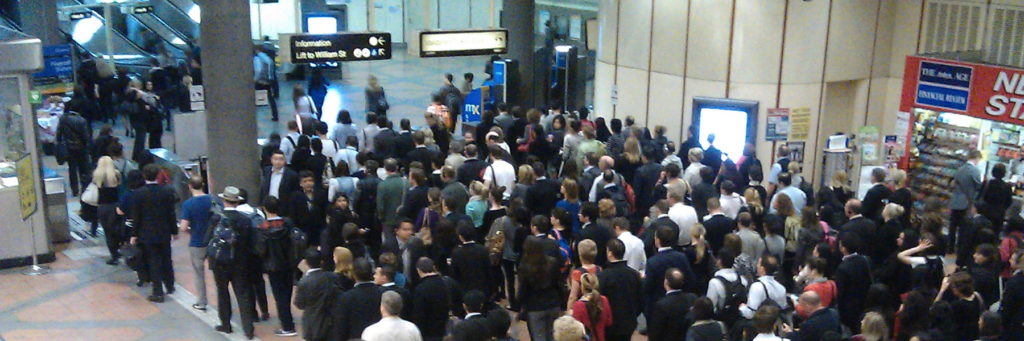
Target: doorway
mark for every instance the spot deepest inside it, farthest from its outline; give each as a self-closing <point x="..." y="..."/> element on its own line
<point x="733" y="122"/>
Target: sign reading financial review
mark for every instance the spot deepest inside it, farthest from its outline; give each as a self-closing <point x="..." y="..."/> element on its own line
<point x="339" y="47"/>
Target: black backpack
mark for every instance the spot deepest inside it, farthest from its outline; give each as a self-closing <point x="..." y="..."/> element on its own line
<point x="936" y="271"/>
<point x="299" y="242"/>
<point x="735" y="295"/>
<point x="224" y="242"/>
<point x="273" y="246"/>
<point x="618" y="195"/>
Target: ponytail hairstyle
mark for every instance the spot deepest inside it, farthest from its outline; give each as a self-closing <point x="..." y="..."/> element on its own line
<point x="590" y="286"/>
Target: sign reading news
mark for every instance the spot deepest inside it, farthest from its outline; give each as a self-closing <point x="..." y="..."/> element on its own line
<point x="944" y="86"/>
<point x="339" y="47"/>
<point x="463" y="43"/>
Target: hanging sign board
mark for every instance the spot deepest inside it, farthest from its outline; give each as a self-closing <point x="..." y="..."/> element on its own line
<point x="799" y="124"/>
<point x="463" y="43"/>
<point x="26" y="187"/>
<point x="777" y="128"/>
<point x="978" y="90"/>
<point x="339" y="47"/>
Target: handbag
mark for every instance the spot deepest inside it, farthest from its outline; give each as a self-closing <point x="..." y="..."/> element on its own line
<point x="91" y="195"/>
<point x="61" y="153"/>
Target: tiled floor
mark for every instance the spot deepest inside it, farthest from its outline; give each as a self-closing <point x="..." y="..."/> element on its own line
<point x="85" y="299"/>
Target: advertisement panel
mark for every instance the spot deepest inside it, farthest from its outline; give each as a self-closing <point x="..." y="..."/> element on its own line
<point x="58" y="72"/>
<point x="977" y="90"/>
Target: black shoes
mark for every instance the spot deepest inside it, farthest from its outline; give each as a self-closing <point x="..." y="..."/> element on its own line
<point x="156" y="299"/>
<point x="199" y="307"/>
<point x="226" y="329"/>
<point x="265" y="316"/>
<point x="112" y="261"/>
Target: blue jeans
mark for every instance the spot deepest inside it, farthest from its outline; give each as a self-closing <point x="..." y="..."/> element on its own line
<point x="541" y="324"/>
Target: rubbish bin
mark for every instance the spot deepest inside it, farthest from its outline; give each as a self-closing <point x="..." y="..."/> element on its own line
<point x="56" y="210"/>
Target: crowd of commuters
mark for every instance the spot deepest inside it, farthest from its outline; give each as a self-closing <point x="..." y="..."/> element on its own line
<point x="576" y="227"/>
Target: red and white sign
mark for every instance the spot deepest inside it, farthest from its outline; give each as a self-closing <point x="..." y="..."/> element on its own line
<point x="995" y="93"/>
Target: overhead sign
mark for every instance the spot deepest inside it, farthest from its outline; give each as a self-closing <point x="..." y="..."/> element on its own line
<point x="463" y="43"/>
<point x="26" y="187"/>
<point x="339" y="47"/>
<point x="80" y="15"/>
<point x="977" y="90"/>
<point x="142" y="9"/>
<point x="57" y="76"/>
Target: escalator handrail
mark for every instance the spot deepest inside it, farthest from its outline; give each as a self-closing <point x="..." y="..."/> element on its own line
<point x="104" y="20"/>
<point x="180" y="10"/>
<point x="168" y="27"/>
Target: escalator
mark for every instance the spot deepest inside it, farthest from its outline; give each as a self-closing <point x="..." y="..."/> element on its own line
<point x="182" y="16"/>
<point x="141" y="36"/>
<point x="90" y="34"/>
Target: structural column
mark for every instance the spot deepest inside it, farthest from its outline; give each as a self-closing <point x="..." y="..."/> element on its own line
<point x="518" y="17"/>
<point x="230" y="95"/>
<point x="39" y="19"/>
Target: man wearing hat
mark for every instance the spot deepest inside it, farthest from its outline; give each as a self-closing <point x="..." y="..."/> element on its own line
<point x="240" y="274"/>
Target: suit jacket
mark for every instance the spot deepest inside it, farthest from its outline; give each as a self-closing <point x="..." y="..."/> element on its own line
<point x="644" y="182"/>
<point x="471" y="267"/>
<point x="384" y="144"/>
<point x="458" y="191"/>
<point x="404" y="143"/>
<point x="669" y="319"/>
<point x="424" y="155"/>
<point x="713" y="158"/>
<point x="1012" y="306"/>
<point x="717" y="227"/>
<point x="432" y="300"/>
<point x="314" y="296"/>
<point x="622" y="286"/>
<point x="652" y="229"/>
<point x="542" y="196"/>
<point x="700" y="195"/>
<point x="875" y="200"/>
<point x="456" y="217"/>
<point x="470" y="171"/>
<point x="289" y="183"/>
<point x="415" y="201"/>
<point x="549" y="245"/>
<point x="654" y="275"/>
<point x="816" y="325"/>
<point x="309" y="216"/>
<point x="473" y="328"/>
<point x="153" y="214"/>
<point x="966" y="184"/>
<point x="864" y="228"/>
<point x="390" y="194"/>
<point x="406" y="299"/>
<point x="852" y="281"/>
<point x="587" y="181"/>
<point x="600" y="234"/>
<point x="416" y="250"/>
<point x="356" y="309"/>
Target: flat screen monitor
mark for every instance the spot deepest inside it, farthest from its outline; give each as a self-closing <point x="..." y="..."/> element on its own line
<point x="733" y="122"/>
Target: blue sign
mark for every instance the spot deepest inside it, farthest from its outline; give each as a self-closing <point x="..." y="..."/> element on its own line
<point x="471" y="106"/>
<point x="945" y="74"/>
<point x="499" y="72"/>
<point x="57" y="62"/>
<point x="942" y="97"/>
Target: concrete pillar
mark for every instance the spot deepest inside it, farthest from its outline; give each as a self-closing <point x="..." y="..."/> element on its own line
<point x="518" y="17"/>
<point x="230" y="95"/>
<point x="39" y="19"/>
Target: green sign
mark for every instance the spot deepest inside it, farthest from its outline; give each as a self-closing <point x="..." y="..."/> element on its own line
<point x="34" y="97"/>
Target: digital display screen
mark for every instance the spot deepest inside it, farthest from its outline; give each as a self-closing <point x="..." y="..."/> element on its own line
<point x="463" y="43"/>
<point x="322" y="25"/>
<point x="729" y="127"/>
<point x="339" y="47"/>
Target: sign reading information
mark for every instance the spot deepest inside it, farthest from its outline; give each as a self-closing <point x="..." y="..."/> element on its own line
<point x="26" y="187"/>
<point x="339" y="47"/>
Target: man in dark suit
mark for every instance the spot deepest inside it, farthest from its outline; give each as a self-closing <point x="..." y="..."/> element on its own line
<point x="420" y="153"/>
<point x="542" y="196"/>
<point x="359" y="307"/>
<point x="154" y="226"/>
<point x="704" y="191"/>
<point x="717" y="225"/>
<point x="407" y="248"/>
<point x="390" y="194"/>
<point x="277" y="180"/>
<point x="660" y="208"/>
<point x="474" y="326"/>
<point x="645" y="180"/>
<point x="540" y="226"/>
<point x="590" y="229"/>
<point x="853" y="277"/>
<point x="314" y="296"/>
<point x="471" y="262"/>
<point x="657" y="266"/>
<point x="821" y="319"/>
<point x="404" y="143"/>
<point x="622" y="286"/>
<point x="384" y="144"/>
<point x="472" y="168"/>
<point x="366" y="206"/>
<point x="877" y="196"/>
<point x="969" y="237"/>
<point x="669" y="318"/>
<point x="384" y="276"/>
<point x="712" y="156"/>
<point x="590" y="174"/>
<point x="416" y="198"/>
<point x="239" y="271"/>
<point x="307" y="207"/>
<point x="433" y="299"/>
<point x="863" y="227"/>
<point x="448" y="212"/>
<point x="454" y="190"/>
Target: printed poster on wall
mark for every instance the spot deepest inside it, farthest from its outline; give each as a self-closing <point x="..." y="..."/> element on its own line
<point x="868" y="135"/>
<point x="575" y="27"/>
<point x="796" y="151"/>
<point x="799" y="124"/>
<point x="777" y="128"/>
<point x="893" y="151"/>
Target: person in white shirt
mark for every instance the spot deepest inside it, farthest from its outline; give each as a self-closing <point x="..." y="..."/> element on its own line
<point x="495" y="138"/>
<point x="684" y="216"/>
<point x="692" y="173"/>
<point x="290" y="141"/>
<point x="348" y="154"/>
<point x="798" y="197"/>
<point x="330" y="146"/>
<point x="604" y="163"/>
<point x="777" y="168"/>
<point x="764" y="288"/>
<point x="391" y="327"/>
<point x="731" y="201"/>
<point x="716" y="287"/>
<point x="369" y="132"/>
<point x="634" y="256"/>
<point x="500" y="173"/>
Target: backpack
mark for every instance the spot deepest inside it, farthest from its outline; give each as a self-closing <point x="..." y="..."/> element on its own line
<point x="495" y="240"/>
<point x="299" y="243"/>
<point x="223" y="247"/>
<point x="936" y="270"/>
<point x="735" y="295"/>
<point x="564" y="250"/>
<point x="769" y="302"/>
<point x="618" y="196"/>
<point x="829" y="236"/>
<point x="272" y="245"/>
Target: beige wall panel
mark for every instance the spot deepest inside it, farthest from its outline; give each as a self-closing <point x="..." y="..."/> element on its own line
<point x="805" y="42"/>
<point x="883" y="40"/>
<point x="635" y="34"/>
<point x="709" y="34"/>
<point x="850" y="38"/>
<point x="891" y="104"/>
<point x="665" y="104"/>
<point x="906" y="21"/>
<point x="697" y="88"/>
<point x="1019" y="3"/>
<point x="606" y="22"/>
<point x="632" y="92"/>
<point x="604" y="79"/>
<point x="757" y="40"/>
<point x="669" y="36"/>
<point x="798" y="96"/>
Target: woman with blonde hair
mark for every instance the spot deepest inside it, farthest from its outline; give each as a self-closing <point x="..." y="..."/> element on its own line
<point x="343" y="267"/>
<point x="692" y="173"/>
<point x="107" y="179"/>
<point x="526" y="179"/>
<point x="627" y="163"/>
<point x="755" y="207"/>
<point x="567" y="328"/>
<point x="376" y="101"/>
<point x="592" y="309"/>
<point x="587" y="250"/>
<point x="840" y="186"/>
<point x="872" y="328"/>
<point x="699" y="254"/>
<point x="476" y="207"/>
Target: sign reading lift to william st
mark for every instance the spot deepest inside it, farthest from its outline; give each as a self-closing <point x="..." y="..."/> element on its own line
<point x="339" y="47"/>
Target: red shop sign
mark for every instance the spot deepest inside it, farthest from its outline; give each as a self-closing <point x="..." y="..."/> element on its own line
<point x="978" y="90"/>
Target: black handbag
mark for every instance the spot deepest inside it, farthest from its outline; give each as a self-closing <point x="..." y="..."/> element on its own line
<point x="132" y="256"/>
<point x="60" y="151"/>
